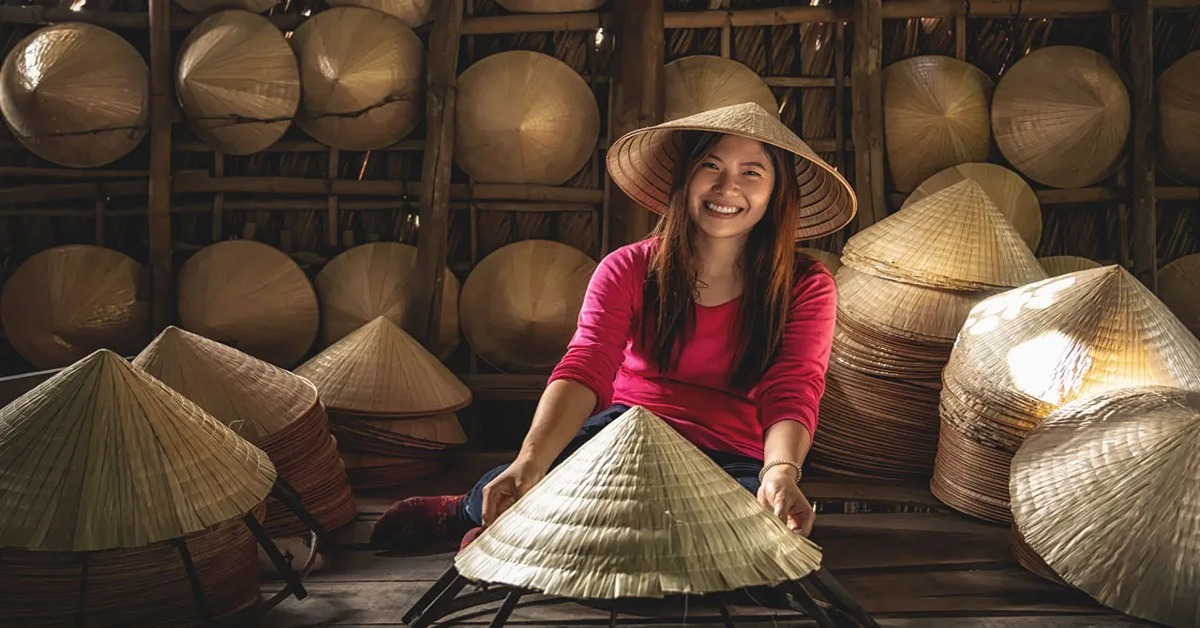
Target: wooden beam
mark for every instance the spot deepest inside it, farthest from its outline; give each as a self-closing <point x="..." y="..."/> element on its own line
<point x="1143" y="214"/>
<point x="440" y="99"/>
<point x="638" y="100"/>
<point x="867" y="76"/>
<point x="161" y="266"/>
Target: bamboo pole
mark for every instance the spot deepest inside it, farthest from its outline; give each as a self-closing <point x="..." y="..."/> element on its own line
<point x="160" y="165"/>
<point x="1143" y="214"/>
<point x="867" y="77"/>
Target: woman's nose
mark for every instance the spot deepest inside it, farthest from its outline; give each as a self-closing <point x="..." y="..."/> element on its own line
<point x="725" y="183"/>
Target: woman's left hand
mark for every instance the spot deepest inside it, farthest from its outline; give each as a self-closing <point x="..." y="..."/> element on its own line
<point x="780" y="494"/>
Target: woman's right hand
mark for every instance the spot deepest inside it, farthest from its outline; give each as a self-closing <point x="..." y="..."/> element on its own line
<point x="505" y="489"/>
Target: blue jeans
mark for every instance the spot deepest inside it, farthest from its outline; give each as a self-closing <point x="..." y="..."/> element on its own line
<point x="742" y="468"/>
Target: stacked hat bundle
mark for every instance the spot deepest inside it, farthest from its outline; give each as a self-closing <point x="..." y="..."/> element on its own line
<point x="905" y="288"/>
<point x="274" y="409"/>
<point x="391" y="404"/>
<point x="123" y="503"/>
<point x="1025" y="353"/>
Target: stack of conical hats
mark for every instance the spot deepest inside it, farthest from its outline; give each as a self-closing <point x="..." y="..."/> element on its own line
<point x="1024" y="353"/>
<point x="906" y="285"/>
<point x="1179" y="289"/>
<point x="391" y="404"/>
<point x="1007" y="189"/>
<point x="637" y="512"/>
<point x="274" y="409"/>
<point x="1107" y="492"/>
<point x="103" y="472"/>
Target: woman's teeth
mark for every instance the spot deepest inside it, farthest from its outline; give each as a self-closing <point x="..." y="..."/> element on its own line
<point x="721" y="209"/>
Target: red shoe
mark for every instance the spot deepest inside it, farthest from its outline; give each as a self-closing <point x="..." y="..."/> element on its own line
<point x="419" y="521"/>
<point x="470" y="536"/>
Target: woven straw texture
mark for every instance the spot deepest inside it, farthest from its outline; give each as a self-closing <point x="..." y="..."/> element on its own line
<point x="520" y="305"/>
<point x="644" y="162"/>
<point x="76" y="94"/>
<point x="212" y="6"/>
<point x="102" y="456"/>
<point x="1107" y="491"/>
<point x="550" y="6"/>
<point x="363" y="78"/>
<point x="1178" y="119"/>
<point x="638" y="511"/>
<point x="1006" y="189"/>
<point x="935" y="115"/>
<point x="1179" y="289"/>
<point x="955" y="238"/>
<point x="831" y="261"/>
<point x="64" y="303"/>
<point x="1061" y="116"/>
<point x="1057" y="265"/>
<point x="413" y="13"/>
<point x="374" y="280"/>
<point x="702" y="82"/>
<point x="524" y="117"/>
<point x="252" y="397"/>
<point x="238" y="82"/>
<point x="902" y="309"/>
<point x="380" y="369"/>
<point x="252" y="297"/>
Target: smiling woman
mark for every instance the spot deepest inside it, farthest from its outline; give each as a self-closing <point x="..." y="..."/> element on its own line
<point x="714" y="323"/>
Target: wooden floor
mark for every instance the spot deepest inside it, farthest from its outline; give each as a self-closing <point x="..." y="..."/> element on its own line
<point x="937" y="569"/>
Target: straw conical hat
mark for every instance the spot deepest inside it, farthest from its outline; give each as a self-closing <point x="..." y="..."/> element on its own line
<point x="643" y="163"/>
<point x="238" y="82"/>
<point x="1107" y="491"/>
<point x="1179" y="119"/>
<point x="363" y="78"/>
<point x="1179" y="289"/>
<point x="102" y="456"/>
<point x="76" y="94"/>
<point x="703" y="82"/>
<point x="1061" y="116"/>
<point x="1078" y="335"/>
<point x="413" y="13"/>
<point x="520" y="305"/>
<point x="550" y="6"/>
<point x="638" y="511"/>
<point x="374" y="280"/>
<point x="1007" y="190"/>
<point x="831" y="261"/>
<point x="254" y="398"/>
<point x="1056" y="265"/>
<point x="380" y="369"/>
<point x="955" y="238"/>
<point x="935" y="115"/>
<point x="524" y="117"/>
<point x="903" y="309"/>
<point x="212" y="6"/>
<point x="66" y="302"/>
<point x="249" y="296"/>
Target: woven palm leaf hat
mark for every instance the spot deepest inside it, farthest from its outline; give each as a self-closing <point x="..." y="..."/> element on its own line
<point x="1179" y="289"/>
<point x="643" y="163"/>
<point x="1107" y="492"/>
<point x="276" y="410"/>
<point x="1056" y="265"/>
<point x="414" y="13"/>
<point x="701" y="82"/>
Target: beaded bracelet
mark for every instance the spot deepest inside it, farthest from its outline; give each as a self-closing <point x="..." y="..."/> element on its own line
<point x="775" y="463"/>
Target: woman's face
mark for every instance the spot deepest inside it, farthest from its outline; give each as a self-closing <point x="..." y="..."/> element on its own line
<point x="730" y="188"/>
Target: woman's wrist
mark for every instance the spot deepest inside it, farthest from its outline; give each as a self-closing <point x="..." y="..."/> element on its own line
<point x="783" y="469"/>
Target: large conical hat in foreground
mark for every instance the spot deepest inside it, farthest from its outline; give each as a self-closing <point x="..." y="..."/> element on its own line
<point x="702" y="82"/>
<point x="1007" y="190"/>
<point x="1107" y="491"/>
<point x="413" y="13"/>
<point x="76" y="94"/>
<point x="1178" y="119"/>
<point x="1056" y="265"/>
<point x="103" y="456"/>
<point x="638" y="511"/>
<point x="935" y="115"/>
<point x="1179" y="289"/>
<point x="955" y="238"/>
<point x="63" y="303"/>
<point x="254" y="398"/>
<point x="380" y="369"/>
<point x="238" y="82"/>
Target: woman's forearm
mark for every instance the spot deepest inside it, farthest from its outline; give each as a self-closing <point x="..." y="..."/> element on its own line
<point x="562" y="410"/>
<point x="786" y="440"/>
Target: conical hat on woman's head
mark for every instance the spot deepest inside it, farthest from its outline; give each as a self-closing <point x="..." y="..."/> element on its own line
<point x="643" y="163"/>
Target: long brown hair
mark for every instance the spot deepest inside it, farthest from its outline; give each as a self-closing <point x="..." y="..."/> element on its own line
<point x="767" y="264"/>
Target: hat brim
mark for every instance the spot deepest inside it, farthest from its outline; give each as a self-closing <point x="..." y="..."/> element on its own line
<point x="643" y="164"/>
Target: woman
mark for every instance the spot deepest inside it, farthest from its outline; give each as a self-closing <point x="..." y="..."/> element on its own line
<point x="713" y="323"/>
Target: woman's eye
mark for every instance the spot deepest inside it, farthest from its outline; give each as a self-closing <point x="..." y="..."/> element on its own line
<point x="753" y="173"/>
<point x="709" y="164"/>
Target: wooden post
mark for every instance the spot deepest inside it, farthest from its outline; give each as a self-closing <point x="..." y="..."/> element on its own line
<point x="159" y="214"/>
<point x="434" y="214"/>
<point x="867" y="82"/>
<point x="638" y="100"/>
<point x="1144" y="214"/>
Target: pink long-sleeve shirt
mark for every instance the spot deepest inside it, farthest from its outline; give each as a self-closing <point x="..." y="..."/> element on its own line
<point x="695" y="397"/>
